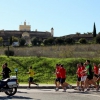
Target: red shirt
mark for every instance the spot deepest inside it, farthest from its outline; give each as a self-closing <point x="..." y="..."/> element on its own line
<point x="96" y="70"/>
<point x="79" y="72"/>
<point x="58" y="72"/>
<point x="82" y="71"/>
<point x="62" y="72"/>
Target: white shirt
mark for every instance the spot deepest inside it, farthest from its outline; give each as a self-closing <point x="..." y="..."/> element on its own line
<point x="99" y="71"/>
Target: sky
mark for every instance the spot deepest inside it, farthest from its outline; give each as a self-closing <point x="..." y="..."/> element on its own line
<point x="65" y="16"/>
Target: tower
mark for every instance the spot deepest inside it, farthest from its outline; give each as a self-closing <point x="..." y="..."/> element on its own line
<point x="52" y="31"/>
<point x="25" y="27"/>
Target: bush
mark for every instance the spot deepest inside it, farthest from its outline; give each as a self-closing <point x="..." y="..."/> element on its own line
<point x="22" y="41"/>
<point x="45" y="42"/>
<point x="59" y="41"/>
<point x="98" y="39"/>
<point x="10" y="53"/>
<point x="69" y="41"/>
<point x="34" y="41"/>
<point x="83" y="41"/>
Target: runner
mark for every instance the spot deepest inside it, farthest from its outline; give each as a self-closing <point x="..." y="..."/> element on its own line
<point x="83" y="75"/>
<point x="89" y="79"/>
<point x="98" y="79"/>
<point x="57" y="80"/>
<point x="78" y="72"/>
<point x="63" y="79"/>
<point x="31" y="74"/>
<point x="95" y="70"/>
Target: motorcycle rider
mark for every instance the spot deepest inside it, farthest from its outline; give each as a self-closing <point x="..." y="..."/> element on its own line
<point x="3" y="75"/>
<point x="6" y="71"/>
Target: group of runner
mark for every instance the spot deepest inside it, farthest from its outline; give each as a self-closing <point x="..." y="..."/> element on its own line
<point x="87" y="76"/>
<point x="61" y="77"/>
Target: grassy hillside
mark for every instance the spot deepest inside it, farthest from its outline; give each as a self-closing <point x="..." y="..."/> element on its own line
<point x="43" y="67"/>
<point x="64" y="51"/>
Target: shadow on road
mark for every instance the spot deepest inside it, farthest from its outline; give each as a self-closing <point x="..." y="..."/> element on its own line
<point x="81" y="92"/>
<point x="14" y="97"/>
<point x="45" y="90"/>
<point x="17" y="98"/>
<point x="96" y="91"/>
<point x="21" y="92"/>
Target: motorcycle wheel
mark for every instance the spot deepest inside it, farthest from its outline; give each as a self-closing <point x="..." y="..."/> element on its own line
<point x="12" y="91"/>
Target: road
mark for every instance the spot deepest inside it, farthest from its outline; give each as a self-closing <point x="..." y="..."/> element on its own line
<point x="50" y="94"/>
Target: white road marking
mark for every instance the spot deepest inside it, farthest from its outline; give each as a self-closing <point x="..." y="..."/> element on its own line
<point x="90" y="95"/>
<point x="93" y="95"/>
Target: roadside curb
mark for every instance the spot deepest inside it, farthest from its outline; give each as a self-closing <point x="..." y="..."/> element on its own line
<point x="41" y="87"/>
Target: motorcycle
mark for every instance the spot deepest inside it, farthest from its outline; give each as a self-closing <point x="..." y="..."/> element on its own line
<point x="9" y="85"/>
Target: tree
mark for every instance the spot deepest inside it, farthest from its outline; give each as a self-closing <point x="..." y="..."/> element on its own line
<point x="98" y="39"/>
<point x="78" y="33"/>
<point x="22" y="41"/>
<point x="98" y="33"/>
<point x="69" y="41"/>
<point x="45" y="42"/>
<point x="89" y="33"/>
<point x="94" y="30"/>
<point x="59" y="41"/>
<point x="50" y="41"/>
<point x="82" y="41"/>
<point x="34" y="41"/>
<point x="39" y="42"/>
<point x="85" y="33"/>
<point x="14" y="39"/>
<point x="1" y="39"/>
<point x="11" y="40"/>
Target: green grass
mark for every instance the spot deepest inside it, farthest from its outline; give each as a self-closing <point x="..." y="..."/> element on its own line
<point x="43" y="67"/>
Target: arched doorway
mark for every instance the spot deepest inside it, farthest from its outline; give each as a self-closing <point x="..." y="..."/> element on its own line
<point x="26" y="36"/>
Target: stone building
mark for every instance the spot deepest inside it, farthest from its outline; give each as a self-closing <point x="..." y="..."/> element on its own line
<point x="76" y="37"/>
<point x="25" y="32"/>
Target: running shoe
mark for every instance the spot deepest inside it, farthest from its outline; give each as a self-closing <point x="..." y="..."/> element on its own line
<point x="56" y="89"/>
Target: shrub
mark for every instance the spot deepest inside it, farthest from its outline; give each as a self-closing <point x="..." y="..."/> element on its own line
<point x="98" y="39"/>
<point x="49" y="41"/>
<point x="34" y="41"/>
<point x="45" y="42"/>
<point x="22" y="41"/>
<point x="10" y="53"/>
<point x="69" y="41"/>
<point x="83" y="41"/>
<point x="59" y="41"/>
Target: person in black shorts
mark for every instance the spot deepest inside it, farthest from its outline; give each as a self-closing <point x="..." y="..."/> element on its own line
<point x="89" y="79"/>
<point x="78" y="73"/>
<point x="98" y="78"/>
<point x="57" y="80"/>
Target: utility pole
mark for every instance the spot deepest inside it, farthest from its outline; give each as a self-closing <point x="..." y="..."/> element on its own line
<point x="8" y="50"/>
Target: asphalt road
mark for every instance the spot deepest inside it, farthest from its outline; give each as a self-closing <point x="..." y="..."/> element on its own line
<point x="50" y="94"/>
